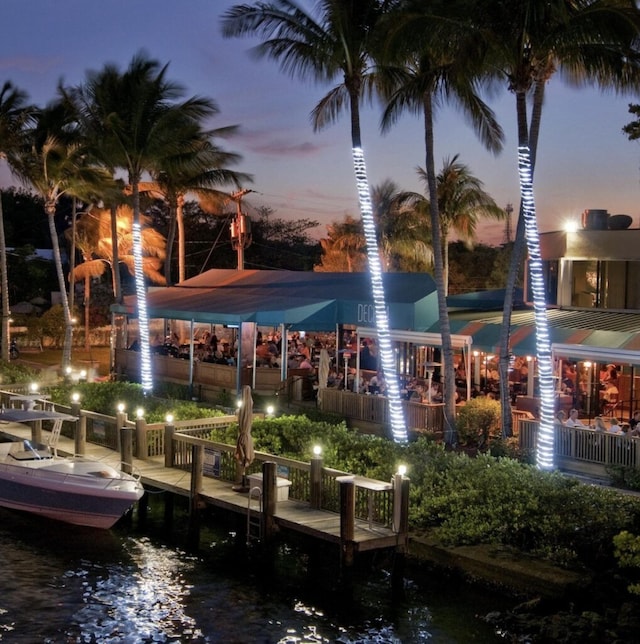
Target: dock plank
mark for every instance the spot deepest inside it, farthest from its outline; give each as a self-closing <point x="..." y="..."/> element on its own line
<point x="290" y="515"/>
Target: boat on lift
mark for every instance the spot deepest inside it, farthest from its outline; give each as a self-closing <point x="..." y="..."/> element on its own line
<point x="76" y="489"/>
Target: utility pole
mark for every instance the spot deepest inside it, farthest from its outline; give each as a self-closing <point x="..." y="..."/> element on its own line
<point x="507" y="226"/>
<point x="240" y="227"/>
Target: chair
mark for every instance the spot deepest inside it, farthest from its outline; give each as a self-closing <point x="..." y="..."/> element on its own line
<point x="610" y="404"/>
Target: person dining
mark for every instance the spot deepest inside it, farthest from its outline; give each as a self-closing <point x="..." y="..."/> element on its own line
<point x="598" y="424"/>
<point x="634" y="423"/>
<point x="377" y="384"/>
<point x="573" y="420"/>
<point x="614" y="427"/>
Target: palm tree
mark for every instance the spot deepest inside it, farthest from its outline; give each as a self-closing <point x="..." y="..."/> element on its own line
<point x="344" y="247"/>
<point x="429" y="62"/>
<point x="94" y="241"/>
<point x="461" y="202"/>
<point x="336" y="42"/>
<point x="198" y="170"/>
<point x="55" y="163"/>
<point x="14" y="117"/>
<point x="136" y="117"/>
<point x="402" y="237"/>
<point x="527" y="41"/>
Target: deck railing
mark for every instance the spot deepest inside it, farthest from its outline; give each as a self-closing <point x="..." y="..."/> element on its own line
<point x="584" y="449"/>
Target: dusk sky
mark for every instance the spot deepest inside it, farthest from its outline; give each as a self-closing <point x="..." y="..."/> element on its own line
<point x="584" y="160"/>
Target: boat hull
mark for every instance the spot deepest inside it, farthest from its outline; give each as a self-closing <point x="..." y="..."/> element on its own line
<point x="94" y="500"/>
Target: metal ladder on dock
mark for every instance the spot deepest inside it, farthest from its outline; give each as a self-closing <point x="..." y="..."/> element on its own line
<point x="254" y="519"/>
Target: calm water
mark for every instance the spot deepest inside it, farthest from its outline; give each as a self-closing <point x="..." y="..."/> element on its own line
<point x="64" y="584"/>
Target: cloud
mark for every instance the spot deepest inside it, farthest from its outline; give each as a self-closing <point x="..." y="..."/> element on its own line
<point x="276" y="146"/>
<point x="30" y="64"/>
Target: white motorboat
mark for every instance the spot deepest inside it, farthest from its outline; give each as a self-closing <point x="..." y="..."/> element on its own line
<point x="76" y="490"/>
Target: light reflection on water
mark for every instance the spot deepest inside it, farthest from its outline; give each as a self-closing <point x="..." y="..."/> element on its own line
<point x="64" y="584"/>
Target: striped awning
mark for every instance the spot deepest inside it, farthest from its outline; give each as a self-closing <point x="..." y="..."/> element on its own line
<point x="602" y="329"/>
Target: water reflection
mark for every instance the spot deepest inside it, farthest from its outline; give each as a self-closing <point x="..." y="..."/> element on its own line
<point x="67" y="585"/>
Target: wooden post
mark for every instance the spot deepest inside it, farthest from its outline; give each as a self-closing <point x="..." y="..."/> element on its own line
<point x="397" y="501"/>
<point x="121" y="421"/>
<point x="316" y="482"/>
<point x="347" y="518"/>
<point x="169" y="431"/>
<point x="269" y="491"/>
<point x="36" y="432"/>
<point x="193" y="531"/>
<point x="141" y="438"/>
<point x="80" y="431"/>
<point x="126" y="452"/>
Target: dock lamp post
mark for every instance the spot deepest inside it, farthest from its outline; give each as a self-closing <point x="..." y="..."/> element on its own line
<point x="316" y="478"/>
<point x="169" y="431"/>
<point x="400" y="500"/>
<point x="80" y="434"/>
<point x="141" y="434"/>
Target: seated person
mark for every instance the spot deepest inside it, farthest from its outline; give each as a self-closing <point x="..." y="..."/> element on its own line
<point x="305" y="363"/>
<point x="377" y="384"/>
<point x="599" y="425"/>
<point x="634" y="423"/>
<point x="573" y="420"/>
<point x="614" y="427"/>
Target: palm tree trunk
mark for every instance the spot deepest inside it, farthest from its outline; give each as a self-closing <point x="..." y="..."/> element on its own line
<point x="141" y="296"/>
<point x="115" y="266"/>
<point x="396" y="411"/>
<point x="87" y="311"/>
<point x="445" y="260"/>
<point x="72" y="254"/>
<point x="180" y="222"/>
<point x="171" y="236"/>
<point x="50" y="209"/>
<point x="448" y="371"/>
<point x="517" y="257"/>
<point x="4" y="283"/>
<point x="544" y="451"/>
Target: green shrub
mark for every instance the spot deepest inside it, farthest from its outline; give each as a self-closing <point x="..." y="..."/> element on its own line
<point x="627" y="552"/>
<point x="11" y="373"/>
<point x="478" y="421"/>
<point x="625" y="477"/>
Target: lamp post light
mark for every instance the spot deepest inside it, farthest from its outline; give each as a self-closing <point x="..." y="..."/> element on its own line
<point x="399" y="482"/>
<point x="316" y="477"/>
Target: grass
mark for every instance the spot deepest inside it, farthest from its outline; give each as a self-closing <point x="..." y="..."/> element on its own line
<point x="80" y="358"/>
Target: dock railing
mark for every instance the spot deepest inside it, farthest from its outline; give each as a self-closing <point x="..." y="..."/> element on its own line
<point x="374" y="499"/>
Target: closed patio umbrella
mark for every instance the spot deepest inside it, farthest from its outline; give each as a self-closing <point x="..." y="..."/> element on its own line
<point x="244" y="453"/>
<point x="323" y="372"/>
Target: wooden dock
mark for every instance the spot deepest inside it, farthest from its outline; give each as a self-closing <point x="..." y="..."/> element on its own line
<point x="288" y="515"/>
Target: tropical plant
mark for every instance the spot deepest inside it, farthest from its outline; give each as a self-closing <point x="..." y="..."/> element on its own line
<point x="136" y="116"/>
<point x="403" y="238"/>
<point x="343" y="249"/>
<point x="336" y="41"/>
<point x="429" y="61"/>
<point x="14" y="116"/>
<point x="199" y="170"/>
<point x="462" y="201"/>
<point x="526" y="42"/>
<point x="93" y="240"/>
<point x="55" y="162"/>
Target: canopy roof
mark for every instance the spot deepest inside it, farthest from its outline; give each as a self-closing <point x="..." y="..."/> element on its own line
<point x="301" y="300"/>
<point x="605" y="329"/>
